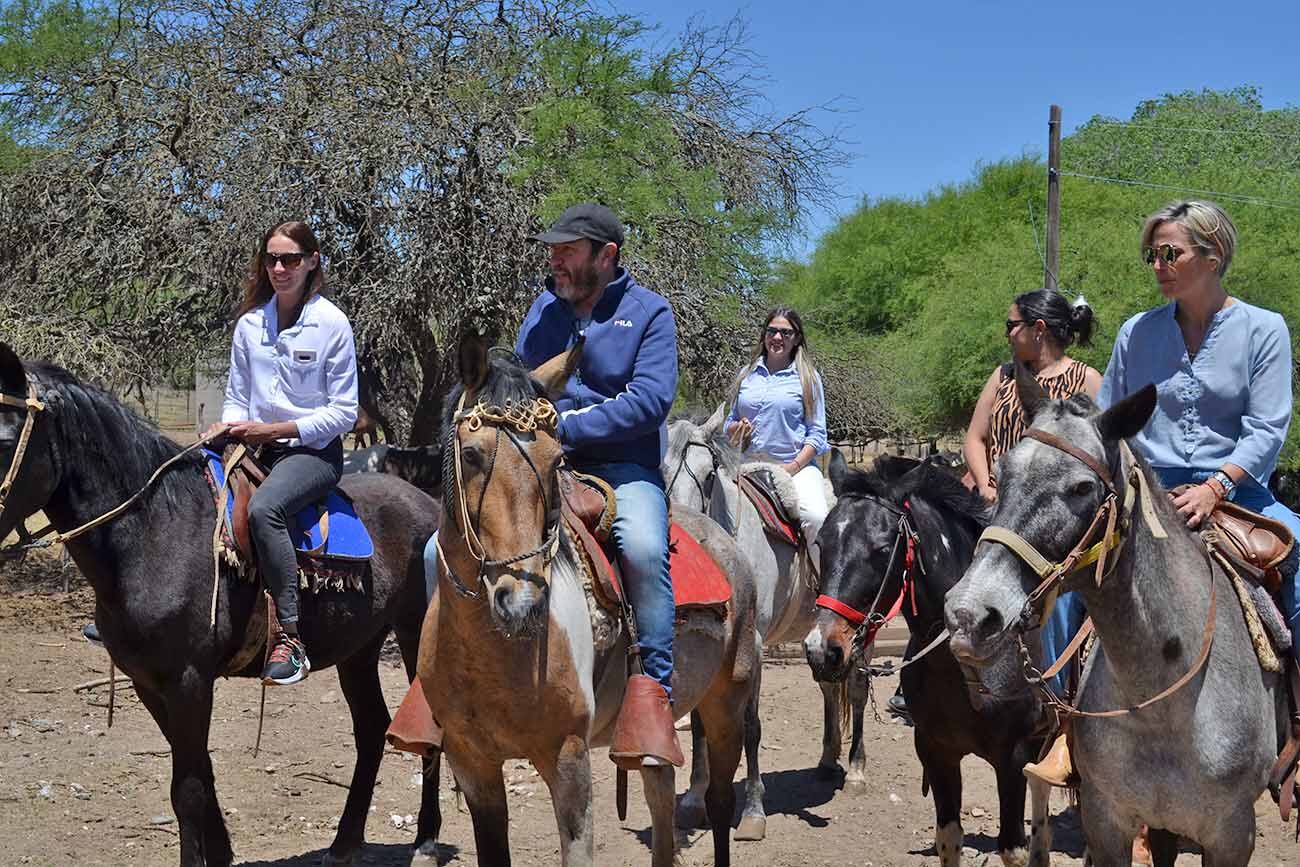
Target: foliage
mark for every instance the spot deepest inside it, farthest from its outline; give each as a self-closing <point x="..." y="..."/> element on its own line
<point x="423" y="141"/>
<point x="919" y="289"/>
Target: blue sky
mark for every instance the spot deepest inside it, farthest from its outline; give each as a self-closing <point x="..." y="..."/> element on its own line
<point x="932" y="89"/>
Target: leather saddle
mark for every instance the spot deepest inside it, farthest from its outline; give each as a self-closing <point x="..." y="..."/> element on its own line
<point x="760" y="487"/>
<point x="588" y="508"/>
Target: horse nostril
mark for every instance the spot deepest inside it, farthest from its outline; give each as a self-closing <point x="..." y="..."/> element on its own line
<point x="834" y="657"/>
<point x="991" y="624"/>
<point x="501" y="599"/>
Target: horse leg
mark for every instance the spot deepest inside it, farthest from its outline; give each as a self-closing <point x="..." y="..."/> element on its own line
<point x="1011" y="810"/>
<point x="944" y="774"/>
<point x="1234" y="839"/>
<point x="1164" y="847"/>
<point x="855" y="780"/>
<point x="828" y="768"/>
<point x="1110" y="841"/>
<point x="690" y="809"/>
<point x="1040" y="826"/>
<point x="429" y="824"/>
<point x="481" y="781"/>
<point x="187" y="712"/>
<point x="753" y="819"/>
<point x="724" y="726"/>
<point x="568" y="776"/>
<point x="659" y="793"/>
<point x="359" y="681"/>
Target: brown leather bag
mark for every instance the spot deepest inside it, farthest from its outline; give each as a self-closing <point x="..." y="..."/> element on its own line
<point x="1249" y="538"/>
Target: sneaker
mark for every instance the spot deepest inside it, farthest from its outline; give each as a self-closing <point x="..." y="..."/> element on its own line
<point x="898" y="705"/>
<point x="90" y="632"/>
<point x="288" y="663"/>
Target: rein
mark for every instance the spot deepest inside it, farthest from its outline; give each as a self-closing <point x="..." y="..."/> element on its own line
<point x="37" y="539"/>
<point x="511" y="419"/>
<point x="1116" y="520"/>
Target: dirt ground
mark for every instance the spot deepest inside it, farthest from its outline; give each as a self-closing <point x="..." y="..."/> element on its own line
<point x="73" y="792"/>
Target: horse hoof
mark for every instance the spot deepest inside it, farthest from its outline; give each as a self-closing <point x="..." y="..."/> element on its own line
<point x="855" y="787"/>
<point x="751" y="828"/>
<point x="329" y="859"/>
<point x="690" y="816"/>
<point x="425" y="853"/>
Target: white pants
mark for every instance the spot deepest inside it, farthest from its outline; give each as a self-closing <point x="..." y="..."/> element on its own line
<point x="811" y="488"/>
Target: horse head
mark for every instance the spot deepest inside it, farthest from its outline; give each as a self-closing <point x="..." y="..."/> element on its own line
<point x="502" y="456"/>
<point x="29" y="478"/>
<point x="1051" y="500"/>
<point x="863" y="550"/>
<point x="698" y="463"/>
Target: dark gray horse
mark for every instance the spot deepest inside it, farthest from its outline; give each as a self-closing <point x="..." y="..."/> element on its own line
<point x="152" y="573"/>
<point x="901" y="534"/>
<point x="1191" y="764"/>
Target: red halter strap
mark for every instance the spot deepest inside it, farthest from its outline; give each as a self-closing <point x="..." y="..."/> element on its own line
<point x="908" y="588"/>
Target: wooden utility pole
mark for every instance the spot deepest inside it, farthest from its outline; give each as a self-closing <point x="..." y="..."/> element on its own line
<point x="1053" y="197"/>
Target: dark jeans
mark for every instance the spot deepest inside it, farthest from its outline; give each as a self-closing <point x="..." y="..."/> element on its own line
<point x="299" y="477"/>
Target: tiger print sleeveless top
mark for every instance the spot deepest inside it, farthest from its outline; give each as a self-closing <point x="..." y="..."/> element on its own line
<point x="1007" y="420"/>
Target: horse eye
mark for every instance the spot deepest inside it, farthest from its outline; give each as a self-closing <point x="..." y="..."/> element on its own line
<point x="471" y="457"/>
<point x="1082" y="489"/>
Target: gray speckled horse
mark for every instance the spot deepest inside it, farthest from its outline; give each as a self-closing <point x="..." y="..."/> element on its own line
<point x="1191" y="764"/>
<point x="701" y="470"/>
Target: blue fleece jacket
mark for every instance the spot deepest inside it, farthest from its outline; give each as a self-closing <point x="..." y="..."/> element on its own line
<point x="615" y="406"/>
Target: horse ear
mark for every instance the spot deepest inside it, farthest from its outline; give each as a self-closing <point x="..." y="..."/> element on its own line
<point x="895" y="466"/>
<point x="1031" y="394"/>
<point x="12" y="375"/>
<point x="473" y="357"/>
<point x="1129" y="416"/>
<point x="838" y="469"/>
<point x="714" y="423"/>
<point x="554" y="374"/>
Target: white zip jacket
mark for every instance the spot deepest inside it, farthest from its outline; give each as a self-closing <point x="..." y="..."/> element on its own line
<point x="306" y="374"/>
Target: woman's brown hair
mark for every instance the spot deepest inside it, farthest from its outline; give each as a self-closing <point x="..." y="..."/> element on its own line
<point x="257" y="284"/>
<point x="800" y="356"/>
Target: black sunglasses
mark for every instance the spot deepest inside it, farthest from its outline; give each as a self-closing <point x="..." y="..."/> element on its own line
<point x="1166" y="252"/>
<point x="291" y="261"/>
<point x="1012" y="323"/>
<point x="787" y="333"/>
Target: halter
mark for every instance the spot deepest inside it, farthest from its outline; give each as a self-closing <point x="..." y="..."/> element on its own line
<point x="512" y="418"/>
<point x="32" y="406"/>
<point x="870" y="623"/>
<point x="702" y="487"/>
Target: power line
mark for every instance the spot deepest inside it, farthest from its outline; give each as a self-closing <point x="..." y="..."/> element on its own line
<point x="1162" y="128"/>
<point x="1034" y="223"/>
<point x="1229" y="197"/>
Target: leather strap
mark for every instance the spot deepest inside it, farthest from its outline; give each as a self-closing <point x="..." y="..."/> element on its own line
<point x="1074" y="452"/>
<point x="848" y="612"/>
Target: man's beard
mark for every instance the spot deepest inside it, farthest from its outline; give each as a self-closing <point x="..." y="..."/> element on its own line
<point x="585" y="281"/>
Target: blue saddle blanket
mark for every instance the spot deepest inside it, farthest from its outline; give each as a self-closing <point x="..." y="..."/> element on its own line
<point x="347" y="538"/>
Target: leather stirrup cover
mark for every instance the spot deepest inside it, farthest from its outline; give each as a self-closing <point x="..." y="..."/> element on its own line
<point x="413" y="729"/>
<point x="644" y="726"/>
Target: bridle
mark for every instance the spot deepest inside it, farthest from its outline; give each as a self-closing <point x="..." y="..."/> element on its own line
<point x="528" y="417"/>
<point x="1116" y="520"/>
<point x="32" y="406"/>
<point x="905" y="540"/>
<point x="705" y="488"/>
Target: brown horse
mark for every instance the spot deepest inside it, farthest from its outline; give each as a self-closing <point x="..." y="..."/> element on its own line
<point x="508" y="661"/>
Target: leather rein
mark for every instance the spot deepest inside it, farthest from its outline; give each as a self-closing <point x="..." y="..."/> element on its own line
<point x="510" y="419"/>
<point x="1113" y="520"/>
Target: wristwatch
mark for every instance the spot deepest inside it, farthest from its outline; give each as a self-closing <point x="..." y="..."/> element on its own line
<point x="1226" y="481"/>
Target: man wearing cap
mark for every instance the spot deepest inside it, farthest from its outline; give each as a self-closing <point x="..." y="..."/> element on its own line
<point x="613" y="424"/>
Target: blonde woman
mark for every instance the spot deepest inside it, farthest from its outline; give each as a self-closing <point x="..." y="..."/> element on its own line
<point x="778" y="408"/>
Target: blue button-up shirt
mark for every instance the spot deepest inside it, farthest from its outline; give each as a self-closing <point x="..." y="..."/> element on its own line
<point x="773" y="403"/>
<point x="1231" y="403"/>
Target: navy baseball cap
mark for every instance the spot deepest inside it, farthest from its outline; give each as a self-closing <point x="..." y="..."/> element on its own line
<point x="590" y="221"/>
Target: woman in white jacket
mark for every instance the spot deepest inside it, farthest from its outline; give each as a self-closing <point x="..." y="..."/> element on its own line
<point x="292" y="389"/>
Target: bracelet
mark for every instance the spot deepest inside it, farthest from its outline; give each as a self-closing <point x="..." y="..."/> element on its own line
<point x="1216" y="487"/>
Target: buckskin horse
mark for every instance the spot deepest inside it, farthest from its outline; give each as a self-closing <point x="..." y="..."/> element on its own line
<point x="152" y="570"/>
<point x="899" y="536"/>
<point x="1176" y="723"/>
<point x="509" y="663"/>
<point x="702" y="469"/>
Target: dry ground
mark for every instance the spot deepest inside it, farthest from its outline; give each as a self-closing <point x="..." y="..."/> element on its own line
<point x="73" y="792"/>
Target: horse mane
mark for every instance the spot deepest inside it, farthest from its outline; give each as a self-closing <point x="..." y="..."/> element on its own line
<point x="891" y="482"/>
<point x="97" y="430"/>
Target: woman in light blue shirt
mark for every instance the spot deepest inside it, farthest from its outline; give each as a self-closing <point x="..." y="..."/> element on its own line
<point x="778" y="408"/>
<point x="292" y="390"/>
<point x="1222" y="370"/>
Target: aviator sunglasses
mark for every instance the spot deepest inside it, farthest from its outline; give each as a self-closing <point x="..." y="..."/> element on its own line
<point x="1167" y="253"/>
<point x="291" y="261"/>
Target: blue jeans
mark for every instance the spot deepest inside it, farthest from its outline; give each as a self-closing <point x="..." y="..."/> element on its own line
<point x="1259" y="499"/>
<point x="641" y="535"/>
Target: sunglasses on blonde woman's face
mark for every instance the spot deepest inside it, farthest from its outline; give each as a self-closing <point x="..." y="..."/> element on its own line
<point x="1167" y="253"/>
<point x="773" y="331"/>
<point x="291" y="261"/>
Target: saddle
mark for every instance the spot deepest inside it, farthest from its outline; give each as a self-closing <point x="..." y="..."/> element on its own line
<point x="588" y="507"/>
<point x="333" y="546"/>
<point x="1253" y="543"/>
<point x="762" y="487"/>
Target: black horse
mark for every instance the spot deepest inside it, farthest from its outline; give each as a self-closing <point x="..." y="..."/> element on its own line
<point x="152" y="573"/>
<point x="899" y="537"/>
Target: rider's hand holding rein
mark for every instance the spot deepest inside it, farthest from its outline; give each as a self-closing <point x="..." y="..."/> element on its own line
<point x="255" y="433"/>
<point x="1196" y="503"/>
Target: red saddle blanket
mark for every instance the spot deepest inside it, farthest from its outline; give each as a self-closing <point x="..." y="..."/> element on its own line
<point x="698" y="581"/>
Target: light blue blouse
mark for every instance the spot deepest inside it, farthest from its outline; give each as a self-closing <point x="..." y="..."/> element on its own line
<point x="1229" y="404"/>
<point x="773" y="402"/>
